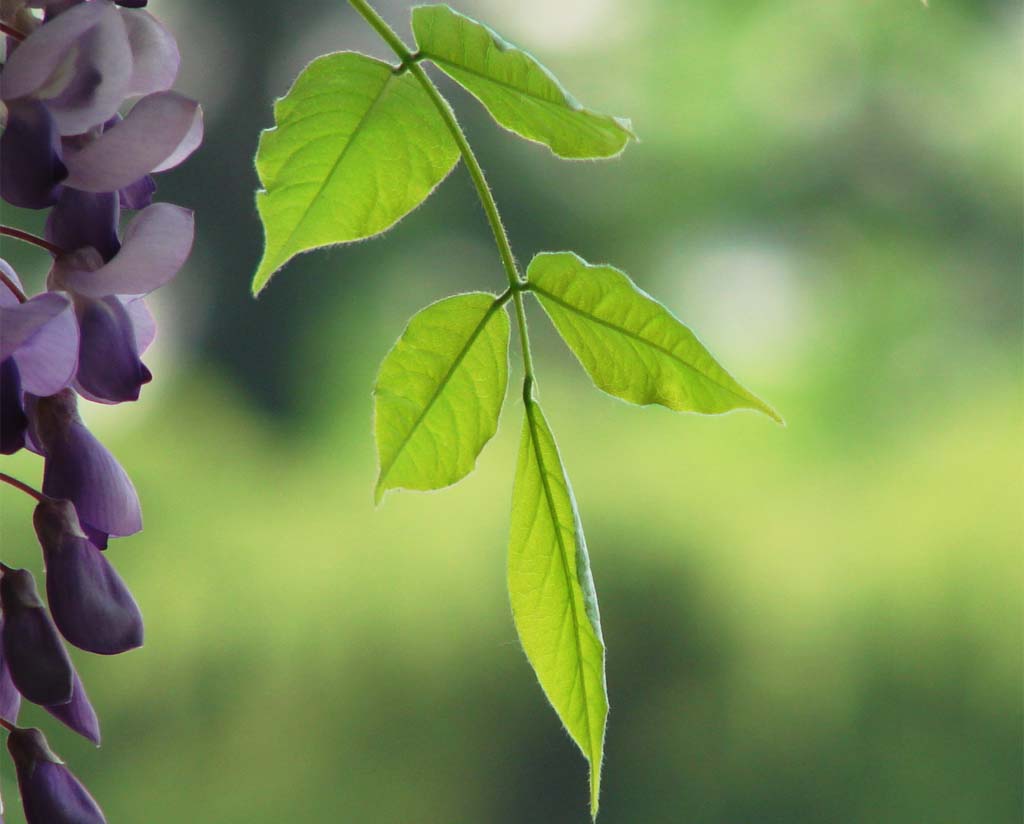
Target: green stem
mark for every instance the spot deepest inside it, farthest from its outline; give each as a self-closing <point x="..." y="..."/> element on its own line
<point x="515" y="280"/>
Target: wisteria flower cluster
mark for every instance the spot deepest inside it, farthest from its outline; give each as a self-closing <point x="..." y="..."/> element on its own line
<point x="88" y="118"/>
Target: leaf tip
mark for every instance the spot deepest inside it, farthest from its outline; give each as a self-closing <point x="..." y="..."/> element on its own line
<point x="770" y="411"/>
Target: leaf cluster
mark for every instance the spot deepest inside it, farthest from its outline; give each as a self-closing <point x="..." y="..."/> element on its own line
<point x="357" y="145"/>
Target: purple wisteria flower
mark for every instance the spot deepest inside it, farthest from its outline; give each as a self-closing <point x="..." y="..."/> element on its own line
<point x="88" y="119"/>
<point x="90" y="604"/>
<point x="39" y="665"/>
<point x="49" y="792"/>
<point x="78" y="468"/>
<point x="156" y="245"/>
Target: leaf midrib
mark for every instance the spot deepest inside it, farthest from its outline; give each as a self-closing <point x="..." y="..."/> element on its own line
<point x="341" y="156"/>
<point x="565" y="570"/>
<point x="630" y="334"/>
<point x="495" y="305"/>
<point x="562" y="107"/>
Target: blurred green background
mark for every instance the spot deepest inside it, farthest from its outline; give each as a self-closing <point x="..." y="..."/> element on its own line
<point x="820" y="623"/>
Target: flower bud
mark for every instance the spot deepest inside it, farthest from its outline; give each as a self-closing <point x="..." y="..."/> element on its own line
<point x="78" y="714"/>
<point x="10" y="698"/>
<point x="90" y="604"/>
<point x="38" y="663"/>
<point x="80" y="469"/>
<point x="50" y="794"/>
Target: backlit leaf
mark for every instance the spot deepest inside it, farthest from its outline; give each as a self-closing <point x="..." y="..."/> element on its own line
<point x="355" y="149"/>
<point x="552" y="593"/>
<point x="630" y="344"/>
<point x="439" y="393"/>
<point x="518" y="91"/>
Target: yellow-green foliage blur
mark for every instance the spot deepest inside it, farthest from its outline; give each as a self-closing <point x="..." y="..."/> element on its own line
<point x="817" y="623"/>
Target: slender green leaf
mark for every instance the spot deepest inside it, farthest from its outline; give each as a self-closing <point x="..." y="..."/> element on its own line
<point x="518" y="91"/>
<point x="552" y="593"/>
<point x="632" y="346"/>
<point x="439" y="392"/>
<point x="356" y="148"/>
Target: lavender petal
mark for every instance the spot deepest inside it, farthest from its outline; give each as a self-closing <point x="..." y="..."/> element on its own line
<point x="156" y="245"/>
<point x="41" y="336"/>
<point x="97" y="80"/>
<point x="38" y="57"/>
<point x="155" y="57"/>
<point x="20" y="323"/>
<point x="143" y="322"/>
<point x="160" y="131"/>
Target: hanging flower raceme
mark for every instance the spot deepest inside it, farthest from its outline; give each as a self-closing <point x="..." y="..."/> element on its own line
<point x="88" y="119"/>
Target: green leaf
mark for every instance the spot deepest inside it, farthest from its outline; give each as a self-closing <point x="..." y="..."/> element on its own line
<point x="632" y="346"/>
<point x="518" y="91"/>
<point x="552" y="593"/>
<point x="439" y="392"/>
<point x="356" y="148"/>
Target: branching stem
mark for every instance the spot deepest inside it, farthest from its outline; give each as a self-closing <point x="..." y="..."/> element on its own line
<point x="12" y="286"/>
<point x="10" y="31"/>
<point x="24" y="487"/>
<point x="515" y="279"/>
<point x="28" y="237"/>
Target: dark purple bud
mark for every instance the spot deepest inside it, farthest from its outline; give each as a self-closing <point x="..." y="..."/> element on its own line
<point x="85" y="219"/>
<point x="50" y="794"/>
<point x="138" y="195"/>
<point x="31" y="168"/>
<point x="39" y="664"/>
<point x="12" y="416"/>
<point x="10" y="698"/>
<point x="80" y="469"/>
<point x="78" y="714"/>
<point x="109" y="368"/>
<point x="89" y="602"/>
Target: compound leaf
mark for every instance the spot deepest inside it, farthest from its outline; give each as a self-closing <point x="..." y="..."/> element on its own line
<point x="439" y="393"/>
<point x="632" y="346"/>
<point x="552" y="593"/>
<point x="518" y="91"/>
<point x="355" y="149"/>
